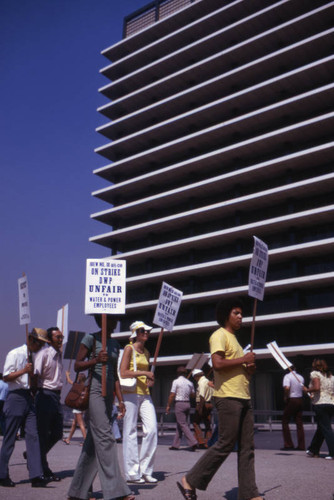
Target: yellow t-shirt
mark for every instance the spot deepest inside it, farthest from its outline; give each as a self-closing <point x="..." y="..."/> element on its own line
<point x="142" y="361"/>
<point x="232" y="382"/>
<point x="204" y="390"/>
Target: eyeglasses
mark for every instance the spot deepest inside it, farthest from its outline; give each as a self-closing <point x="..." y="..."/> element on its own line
<point x="58" y="337"/>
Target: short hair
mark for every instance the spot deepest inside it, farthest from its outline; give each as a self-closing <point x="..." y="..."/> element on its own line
<point x="50" y="330"/>
<point x="181" y="370"/>
<point x="224" y="308"/>
<point x="320" y="365"/>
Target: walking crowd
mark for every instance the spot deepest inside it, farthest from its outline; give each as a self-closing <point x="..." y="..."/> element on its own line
<point x="31" y="385"/>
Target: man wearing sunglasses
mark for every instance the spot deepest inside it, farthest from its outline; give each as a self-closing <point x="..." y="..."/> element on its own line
<point x="48" y="368"/>
<point x="19" y="408"/>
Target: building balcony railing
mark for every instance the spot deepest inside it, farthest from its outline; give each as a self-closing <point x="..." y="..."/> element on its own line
<point x="152" y="13"/>
<point x="303" y="78"/>
<point x="315" y="281"/>
<point x="315" y="131"/>
<point x="306" y="158"/>
<point x="318" y="247"/>
<point x="225" y="208"/>
<point x="261" y="227"/>
<point x="261" y="320"/>
<point x="212" y="122"/>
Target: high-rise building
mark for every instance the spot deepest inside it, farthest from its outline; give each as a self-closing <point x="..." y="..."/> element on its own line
<point x="219" y="126"/>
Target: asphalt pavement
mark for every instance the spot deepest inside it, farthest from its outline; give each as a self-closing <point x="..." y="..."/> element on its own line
<point x="288" y="475"/>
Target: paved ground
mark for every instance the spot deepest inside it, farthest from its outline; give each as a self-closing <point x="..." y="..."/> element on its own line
<point x="280" y="475"/>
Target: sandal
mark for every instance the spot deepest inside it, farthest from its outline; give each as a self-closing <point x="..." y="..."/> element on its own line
<point x="187" y="494"/>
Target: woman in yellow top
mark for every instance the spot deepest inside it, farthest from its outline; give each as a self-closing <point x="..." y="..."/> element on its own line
<point x="138" y="466"/>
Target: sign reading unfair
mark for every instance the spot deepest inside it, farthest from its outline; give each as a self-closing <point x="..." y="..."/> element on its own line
<point x="24" y="306"/>
<point x="105" y="286"/>
<point x="168" y="307"/>
<point x="258" y="270"/>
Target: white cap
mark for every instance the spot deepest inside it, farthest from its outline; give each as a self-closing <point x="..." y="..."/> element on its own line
<point x="138" y="324"/>
<point x="196" y="371"/>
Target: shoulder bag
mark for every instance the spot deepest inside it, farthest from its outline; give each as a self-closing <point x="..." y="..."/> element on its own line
<point x="78" y="396"/>
<point x="129" y="384"/>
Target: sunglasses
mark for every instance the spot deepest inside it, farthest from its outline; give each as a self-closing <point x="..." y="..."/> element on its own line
<point x="142" y="330"/>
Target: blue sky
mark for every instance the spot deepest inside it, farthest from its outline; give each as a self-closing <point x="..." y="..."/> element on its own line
<point x="50" y="61"/>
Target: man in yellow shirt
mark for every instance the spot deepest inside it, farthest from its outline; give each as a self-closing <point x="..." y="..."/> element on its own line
<point x="203" y="410"/>
<point x="232" y="372"/>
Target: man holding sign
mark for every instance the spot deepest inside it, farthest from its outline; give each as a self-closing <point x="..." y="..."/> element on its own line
<point x="232" y="371"/>
<point x="19" y="409"/>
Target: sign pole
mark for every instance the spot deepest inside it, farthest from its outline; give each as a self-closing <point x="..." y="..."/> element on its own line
<point x="104" y="347"/>
<point x="253" y="325"/>
<point x="157" y="349"/>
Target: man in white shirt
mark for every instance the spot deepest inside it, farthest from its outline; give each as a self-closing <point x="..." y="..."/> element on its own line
<point x="19" y="409"/>
<point x="181" y="392"/>
<point x="293" y="384"/>
<point x="48" y="368"/>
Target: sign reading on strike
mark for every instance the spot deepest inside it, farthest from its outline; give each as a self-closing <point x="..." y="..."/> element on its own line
<point x="105" y="286"/>
<point x="24" y="306"/>
<point x="168" y="307"/>
<point x="258" y="270"/>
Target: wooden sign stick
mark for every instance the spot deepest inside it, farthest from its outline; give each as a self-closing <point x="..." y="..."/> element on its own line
<point x="157" y="349"/>
<point x="73" y="349"/>
<point x="27" y="340"/>
<point x="253" y="326"/>
<point x="29" y="354"/>
<point x="104" y="347"/>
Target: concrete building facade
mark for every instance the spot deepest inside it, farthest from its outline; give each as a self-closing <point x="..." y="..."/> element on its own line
<point x="219" y="126"/>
